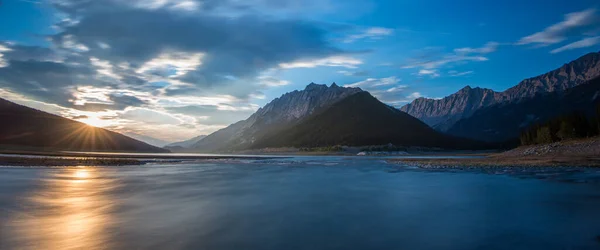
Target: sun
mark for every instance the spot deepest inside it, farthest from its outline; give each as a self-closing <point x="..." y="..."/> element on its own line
<point x="94" y="121"/>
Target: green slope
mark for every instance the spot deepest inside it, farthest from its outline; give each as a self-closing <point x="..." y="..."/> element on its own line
<point x="360" y="120"/>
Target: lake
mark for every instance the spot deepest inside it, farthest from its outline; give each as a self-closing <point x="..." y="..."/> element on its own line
<point x="296" y="203"/>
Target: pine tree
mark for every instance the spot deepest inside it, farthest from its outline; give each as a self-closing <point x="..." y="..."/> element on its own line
<point x="566" y="131"/>
<point x="598" y="118"/>
<point x="544" y="135"/>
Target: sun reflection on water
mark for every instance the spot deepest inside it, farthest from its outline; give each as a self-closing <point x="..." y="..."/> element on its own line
<point x="71" y="211"/>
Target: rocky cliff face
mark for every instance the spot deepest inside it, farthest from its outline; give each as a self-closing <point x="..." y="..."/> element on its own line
<point x="569" y="75"/>
<point x="442" y="114"/>
<point x="278" y="114"/>
<point x="298" y="104"/>
<point x="452" y="108"/>
<point x="501" y="123"/>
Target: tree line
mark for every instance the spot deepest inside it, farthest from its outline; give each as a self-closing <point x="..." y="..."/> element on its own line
<point x="572" y="126"/>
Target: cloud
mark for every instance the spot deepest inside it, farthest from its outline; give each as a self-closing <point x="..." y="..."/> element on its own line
<point x="388" y="89"/>
<point x="455" y="73"/>
<point x="202" y="51"/>
<point x="272" y="81"/>
<point x="370" y="33"/>
<point x="414" y="95"/>
<point x="487" y="48"/>
<point x="431" y="59"/>
<point x="573" y="23"/>
<point x="3" y="62"/>
<point x="353" y="73"/>
<point x="428" y="72"/>
<point x="149" y="116"/>
<point x="172" y="64"/>
<point x="444" y="60"/>
<point x="332" y="61"/>
<point x="583" y="43"/>
<point x="370" y="83"/>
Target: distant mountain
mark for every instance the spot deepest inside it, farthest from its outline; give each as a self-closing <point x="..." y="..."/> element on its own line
<point x="187" y="143"/>
<point x="30" y="129"/>
<point x="277" y="115"/>
<point x="147" y="139"/>
<point x="360" y="120"/>
<point x="442" y="114"/>
<point x="505" y="121"/>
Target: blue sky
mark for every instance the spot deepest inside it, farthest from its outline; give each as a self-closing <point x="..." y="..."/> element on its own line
<point x="173" y="69"/>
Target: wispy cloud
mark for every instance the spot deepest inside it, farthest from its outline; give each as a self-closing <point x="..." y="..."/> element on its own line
<point x="433" y="58"/>
<point x="370" y="33"/>
<point x="455" y="73"/>
<point x="487" y="48"/>
<point x="375" y="82"/>
<point x="447" y="59"/>
<point x="271" y="81"/>
<point x="353" y="73"/>
<point x="332" y="61"/>
<point x="573" y="23"/>
<point x="428" y="72"/>
<point x="414" y="95"/>
<point x="388" y="90"/>
<point x="583" y="43"/>
<point x="3" y="63"/>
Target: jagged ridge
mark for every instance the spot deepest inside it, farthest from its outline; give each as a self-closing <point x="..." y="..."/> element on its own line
<point x="277" y="115"/>
<point x="444" y="113"/>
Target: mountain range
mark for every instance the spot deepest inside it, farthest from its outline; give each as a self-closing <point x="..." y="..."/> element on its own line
<point x="360" y="120"/>
<point x="443" y="113"/>
<point x="24" y="128"/>
<point x="505" y="121"/>
<point x="324" y="116"/>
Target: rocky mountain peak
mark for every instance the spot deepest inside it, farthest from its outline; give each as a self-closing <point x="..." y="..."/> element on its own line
<point x="445" y="112"/>
<point x="281" y="112"/>
<point x="313" y="86"/>
<point x="298" y="104"/>
<point x="466" y="88"/>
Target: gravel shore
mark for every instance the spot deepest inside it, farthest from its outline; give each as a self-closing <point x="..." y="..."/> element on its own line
<point x="66" y="161"/>
<point x="575" y="153"/>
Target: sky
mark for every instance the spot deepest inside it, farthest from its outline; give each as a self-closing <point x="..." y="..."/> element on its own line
<point x="175" y="69"/>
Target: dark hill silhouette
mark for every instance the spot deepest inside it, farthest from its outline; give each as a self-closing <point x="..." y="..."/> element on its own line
<point x="26" y="128"/>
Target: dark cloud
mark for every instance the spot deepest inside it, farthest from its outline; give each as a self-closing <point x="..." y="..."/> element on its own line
<point x="93" y="107"/>
<point x="239" y="47"/>
<point x="124" y="101"/>
<point x="26" y="53"/>
<point x="46" y="81"/>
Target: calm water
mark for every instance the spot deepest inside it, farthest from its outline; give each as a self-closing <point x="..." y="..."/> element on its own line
<point x="300" y="203"/>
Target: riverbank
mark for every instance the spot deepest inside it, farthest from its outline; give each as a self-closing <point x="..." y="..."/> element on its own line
<point x="51" y="159"/>
<point x="574" y="153"/>
<point x="66" y="161"/>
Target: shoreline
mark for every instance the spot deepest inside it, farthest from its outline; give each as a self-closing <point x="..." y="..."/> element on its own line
<point x="499" y="162"/>
<point x="64" y="159"/>
<point x="572" y="153"/>
<point x="21" y="161"/>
